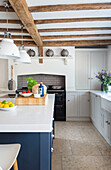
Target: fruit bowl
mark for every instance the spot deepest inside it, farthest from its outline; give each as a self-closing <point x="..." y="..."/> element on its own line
<point x="8" y="108"/>
<point x="25" y="94"/>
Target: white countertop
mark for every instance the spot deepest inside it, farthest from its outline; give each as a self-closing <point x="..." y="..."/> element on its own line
<point x="34" y="118"/>
<point x="102" y="94"/>
<point x="5" y="90"/>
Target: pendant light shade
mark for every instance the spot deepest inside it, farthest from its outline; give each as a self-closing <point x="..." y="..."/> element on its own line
<point x="8" y="50"/>
<point x="24" y="57"/>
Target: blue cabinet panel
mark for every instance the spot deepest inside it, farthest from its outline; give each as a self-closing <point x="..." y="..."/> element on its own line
<point x="35" y="153"/>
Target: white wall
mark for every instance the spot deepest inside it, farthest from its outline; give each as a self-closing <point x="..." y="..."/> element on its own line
<point x="3" y="73"/>
<point x="49" y="66"/>
<point x="109" y="59"/>
<point x="52" y="66"/>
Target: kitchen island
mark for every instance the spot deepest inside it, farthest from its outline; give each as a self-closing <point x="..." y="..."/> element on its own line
<point x="32" y="127"/>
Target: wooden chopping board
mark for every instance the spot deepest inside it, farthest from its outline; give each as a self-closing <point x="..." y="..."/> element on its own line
<point x="31" y="100"/>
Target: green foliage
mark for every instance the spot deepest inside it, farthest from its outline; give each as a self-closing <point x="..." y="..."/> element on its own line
<point x="30" y="82"/>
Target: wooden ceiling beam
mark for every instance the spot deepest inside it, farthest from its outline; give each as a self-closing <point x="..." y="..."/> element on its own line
<point x="13" y="30"/>
<point x="50" y="21"/>
<point x="25" y="43"/>
<point x="64" y="7"/>
<point x="68" y="7"/>
<point x="21" y="9"/>
<point x="18" y="37"/>
<point x="40" y="50"/>
<point x="74" y="29"/>
<point x="3" y="9"/>
<point x="66" y="43"/>
<point x="74" y="36"/>
<point x="10" y="21"/>
<point x="77" y="43"/>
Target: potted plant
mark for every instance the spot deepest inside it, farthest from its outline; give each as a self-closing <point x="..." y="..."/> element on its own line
<point x="30" y="83"/>
<point x="105" y="78"/>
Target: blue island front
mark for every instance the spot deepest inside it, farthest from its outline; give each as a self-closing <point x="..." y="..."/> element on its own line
<point x="33" y="128"/>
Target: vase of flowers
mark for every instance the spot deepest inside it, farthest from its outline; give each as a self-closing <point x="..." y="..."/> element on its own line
<point x="105" y="78"/>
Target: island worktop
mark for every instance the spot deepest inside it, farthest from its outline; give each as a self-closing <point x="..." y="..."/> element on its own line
<point x="30" y="118"/>
<point x="33" y="128"/>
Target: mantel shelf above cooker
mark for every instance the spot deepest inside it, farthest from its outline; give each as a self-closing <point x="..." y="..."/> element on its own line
<point x="54" y="57"/>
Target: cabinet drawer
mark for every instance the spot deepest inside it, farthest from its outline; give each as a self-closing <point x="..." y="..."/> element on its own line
<point x="106" y="105"/>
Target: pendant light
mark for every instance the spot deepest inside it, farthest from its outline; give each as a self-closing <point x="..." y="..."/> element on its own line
<point x="24" y="57"/>
<point x="8" y="50"/>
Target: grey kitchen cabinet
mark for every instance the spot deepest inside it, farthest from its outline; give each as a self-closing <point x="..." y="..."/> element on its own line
<point x="97" y="113"/>
<point x="87" y="65"/>
<point x="84" y="100"/>
<point x="72" y="105"/>
<point x="101" y="115"/>
<point x="107" y="126"/>
<point x="77" y="106"/>
<point x="92" y="106"/>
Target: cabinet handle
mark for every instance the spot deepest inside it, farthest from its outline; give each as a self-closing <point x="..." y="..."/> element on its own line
<point x="106" y="121"/>
<point x="52" y="149"/>
<point x="68" y="100"/>
<point x="89" y="78"/>
<point x="53" y="136"/>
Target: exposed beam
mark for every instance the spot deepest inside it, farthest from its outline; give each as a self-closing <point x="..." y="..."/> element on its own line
<point x="77" y="43"/>
<point x="74" y="36"/>
<point x="18" y="37"/>
<point x="40" y="50"/>
<point x="26" y="43"/>
<point x="67" y="7"/>
<point x="13" y="30"/>
<point x="10" y="21"/>
<point x="67" y="43"/>
<point x="21" y="9"/>
<point x="3" y="9"/>
<point x="74" y="29"/>
<point x="48" y="21"/>
<point x="64" y="7"/>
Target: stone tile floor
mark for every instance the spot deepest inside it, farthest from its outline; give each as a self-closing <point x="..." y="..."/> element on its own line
<point x="79" y="146"/>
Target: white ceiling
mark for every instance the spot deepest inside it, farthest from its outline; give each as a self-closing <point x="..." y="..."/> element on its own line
<point x="55" y="2"/>
<point x="66" y="14"/>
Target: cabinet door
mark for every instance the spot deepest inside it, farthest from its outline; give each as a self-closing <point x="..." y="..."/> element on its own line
<point x="107" y="126"/>
<point x="98" y="112"/>
<point x="82" y="60"/>
<point x="84" y="105"/>
<point x="92" y="107"/>
<point x="72" y="105"/>
<point x="98" y="62"/>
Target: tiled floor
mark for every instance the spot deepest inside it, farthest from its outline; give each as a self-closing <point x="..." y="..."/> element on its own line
<point x="79" y="146"/>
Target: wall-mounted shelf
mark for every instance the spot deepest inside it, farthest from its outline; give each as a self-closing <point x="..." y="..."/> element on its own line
<point x="54" y="57"/>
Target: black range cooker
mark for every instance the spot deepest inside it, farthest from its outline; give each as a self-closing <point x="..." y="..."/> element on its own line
<point x="60" y="102"/>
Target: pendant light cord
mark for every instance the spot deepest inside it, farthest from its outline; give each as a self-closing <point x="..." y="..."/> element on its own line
<point x="22" y="34"/>
<point x="7" y="16"/>
<point x="8" y="34"/>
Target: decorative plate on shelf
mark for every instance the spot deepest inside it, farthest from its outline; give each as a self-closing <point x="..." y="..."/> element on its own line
<point x="25" y="94"/>
<point x="8" y="108"/>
